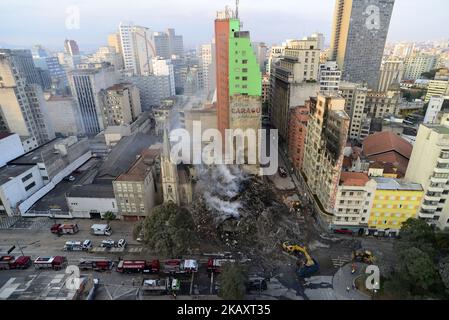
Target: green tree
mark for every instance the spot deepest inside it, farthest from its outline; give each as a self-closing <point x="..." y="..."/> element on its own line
<point x="417" y="233"/>
<point x="232" y="282"/>
<point x="444" y="272"/>
<point x="430" y="75"/>
<point x="168" y="230"/>
<point x="418" y="271"/>
<point x="109" y="216"/>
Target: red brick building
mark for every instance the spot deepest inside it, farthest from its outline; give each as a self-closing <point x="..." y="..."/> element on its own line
<point x="298" y="132"/>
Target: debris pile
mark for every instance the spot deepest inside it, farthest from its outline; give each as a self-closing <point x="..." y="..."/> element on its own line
<point x="247" y="218"/>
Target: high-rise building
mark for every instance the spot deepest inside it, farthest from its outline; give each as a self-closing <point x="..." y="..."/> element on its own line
<point x="327" y="132"/>
<point x="299" y="116"/>
<point x="429" y="166"/>
<point x="164" y="67"/>
<point x="417" y="64"/>
<point x="359" y="34"/>
<point x="391" y="72"/>
<point x="168" y="43"/>
<point x="207" y="66"/>
<point x="437" y="88"/>
<point x="86" y="85"/>
<point x="138" y="48"/>
<point x="329" y="77"/>
<point x="239" y="80"/>
<point x="355" y="98"/>
<point x="403" y="50"/>
<point x="108" y="54"/>
<point x="23" y="109"/>
<point x="261" y="52"/>
<point x="152" y="89"/>
<point x="114" y="41"/>
<point x="437" y="104"/>
<point x="64" y="115"/>
<point x="294" y="80"/>
<point x="71" y="48"/>
<point x="120" y="104"/>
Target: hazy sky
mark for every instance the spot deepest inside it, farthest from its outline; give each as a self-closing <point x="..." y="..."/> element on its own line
<point x="28" y="22"/>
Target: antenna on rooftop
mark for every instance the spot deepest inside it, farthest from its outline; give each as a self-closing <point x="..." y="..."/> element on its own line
<point x="236" y="9"/>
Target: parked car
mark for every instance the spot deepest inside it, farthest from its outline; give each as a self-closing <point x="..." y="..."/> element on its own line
<point x="70" y="178"/>
<point x="87" y="245"/>
<point x="121" y="243"/>
<point x="108" y="243"/>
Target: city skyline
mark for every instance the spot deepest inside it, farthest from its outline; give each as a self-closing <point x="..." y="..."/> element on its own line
<point x="50" y="31"/>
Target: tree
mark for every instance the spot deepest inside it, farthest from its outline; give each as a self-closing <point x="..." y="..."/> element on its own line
<point x="417" y="270"/>
<point x="232" y="282"/>
<point x="168" y="230"/>
<point x="430" y="75"/>
<point x="109" y="216"/>
<point x="444" y="272"/>
<point x="417" y="233"/>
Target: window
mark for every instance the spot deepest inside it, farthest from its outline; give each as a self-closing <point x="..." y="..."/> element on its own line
<point x="28" y="187"/>
<point x="244" y="78"/>
<point x="245" y="70"/>
<point x="244" y="61"/>
<point x="27" y="177"/>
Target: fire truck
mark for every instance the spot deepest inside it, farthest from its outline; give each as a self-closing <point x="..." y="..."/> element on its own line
<point x="54" y="262"/>
<point x="10" y="262"/>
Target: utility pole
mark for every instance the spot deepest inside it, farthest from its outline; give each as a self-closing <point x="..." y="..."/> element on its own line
<point x="20" y="248"/>
<point x="236" y="9"/>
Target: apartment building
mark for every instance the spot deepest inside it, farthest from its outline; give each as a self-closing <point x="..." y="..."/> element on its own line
<point x="355" y="196"/>
<point x="429" y="166"/>
<point x="437" y="88"/>
<point x="136" y="190"/>
<point x="64" y="115"/>
<point x="355" y="100"/>
<point x="417" y="64"/>
<point x="327" y="132"/>
<point x="395" y="201"/>
<point x="120" y="104"/>
<point x="299" y="116"/>
<point x="329" y="77"/>
<point x="391" y="72"/>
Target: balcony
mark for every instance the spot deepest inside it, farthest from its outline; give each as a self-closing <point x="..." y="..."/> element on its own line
<point x="439" y="189"/>
<point x="438" y="180"/>
<point x="441" y="170"/>
<point x="426" y="215"/>
<point x="432" y="197"/>
<point x="429" y="206"/>
<point x="443" y="160"/>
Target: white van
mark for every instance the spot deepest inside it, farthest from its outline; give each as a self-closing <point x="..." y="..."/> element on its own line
<point x="101" y="230"/>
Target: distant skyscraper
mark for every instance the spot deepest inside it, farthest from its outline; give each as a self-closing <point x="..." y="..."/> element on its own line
<point x="207" y="66"/>
<point x="23" y="109"/>
<point x="71" y="48"/>
<point x="359" y="34"/>
<point x="164" y="67"/>
<point x="167" y="43"/>
<point x="138" y="48"/>
<point x="390" y="72"/>
<point x="239" y="80"/>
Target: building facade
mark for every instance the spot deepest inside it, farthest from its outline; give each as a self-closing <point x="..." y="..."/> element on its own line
<point x="391" y="72"/>
<point x="299" y="116"/>
<point x="64" y="115"/>
<point x="358" y="39"/>
<point x="417" y="64"/>
<point x="429" y="166"/>
<point x="329" y="77"/>
<point x="327" y="132"/>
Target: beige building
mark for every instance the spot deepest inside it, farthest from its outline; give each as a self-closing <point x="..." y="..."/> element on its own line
<point x="23" y="109"/>
<point x="64" y="115"/>
<point x="327" y="133"/>
<point x="355" y="99"/>
<point x="115" y="42"/>
<point x="429" y="166"/>
<point x="354" y="200"/>
<point x="136" y="191"/>
<point x="120" y="104"/>
<point x="437" y="88"/>
<point x="391" y="71"/>
<point x="418" y="63"/>
<point x="381" y="104"/>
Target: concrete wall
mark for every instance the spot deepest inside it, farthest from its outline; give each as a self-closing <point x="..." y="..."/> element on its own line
<point x="82" y="207"/>
<point x="11" y="148"/>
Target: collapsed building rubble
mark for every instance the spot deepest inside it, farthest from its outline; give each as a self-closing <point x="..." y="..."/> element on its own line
<point x="243" y="214"/>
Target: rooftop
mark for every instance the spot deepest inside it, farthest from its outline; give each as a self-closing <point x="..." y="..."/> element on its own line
<point x="104" y="191"/>
<point x="4" y="135"/>
<point x="395" y="184"/>
<point x="353" y="179"/>
<point x="11" y="171"/>
<point x="119" y="86"/>
<point x="439" y="129"/>
<point x="384" y="142"/>
<point x="138" y="170"/>
<point x="124" y="154"/>
<point x="40" y="154"/>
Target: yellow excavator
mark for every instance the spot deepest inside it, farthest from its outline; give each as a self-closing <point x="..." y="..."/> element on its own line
<point x="310" y="267"/>
<point x="364" y="256"/>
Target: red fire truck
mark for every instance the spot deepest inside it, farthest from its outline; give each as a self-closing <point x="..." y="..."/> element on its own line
<point x="10" y="262"/>
<point x="138" y="266"/>
<point x="215" y="265"/>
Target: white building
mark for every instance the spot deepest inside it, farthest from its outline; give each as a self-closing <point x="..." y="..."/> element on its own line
<point x="207" y="66"/>
<point x="434" y="108"/>
<point x="417" y="64"/>
<point x="163" y="67"/>
<point x="138" y="48"/>
<point x="152" y="89"/>
<point x="30" y="177"/>
<point x="11" y="147"/>
<point x="86" y="85"/>
<point x="91" y="201"/>
<point x="329" y="77"/>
